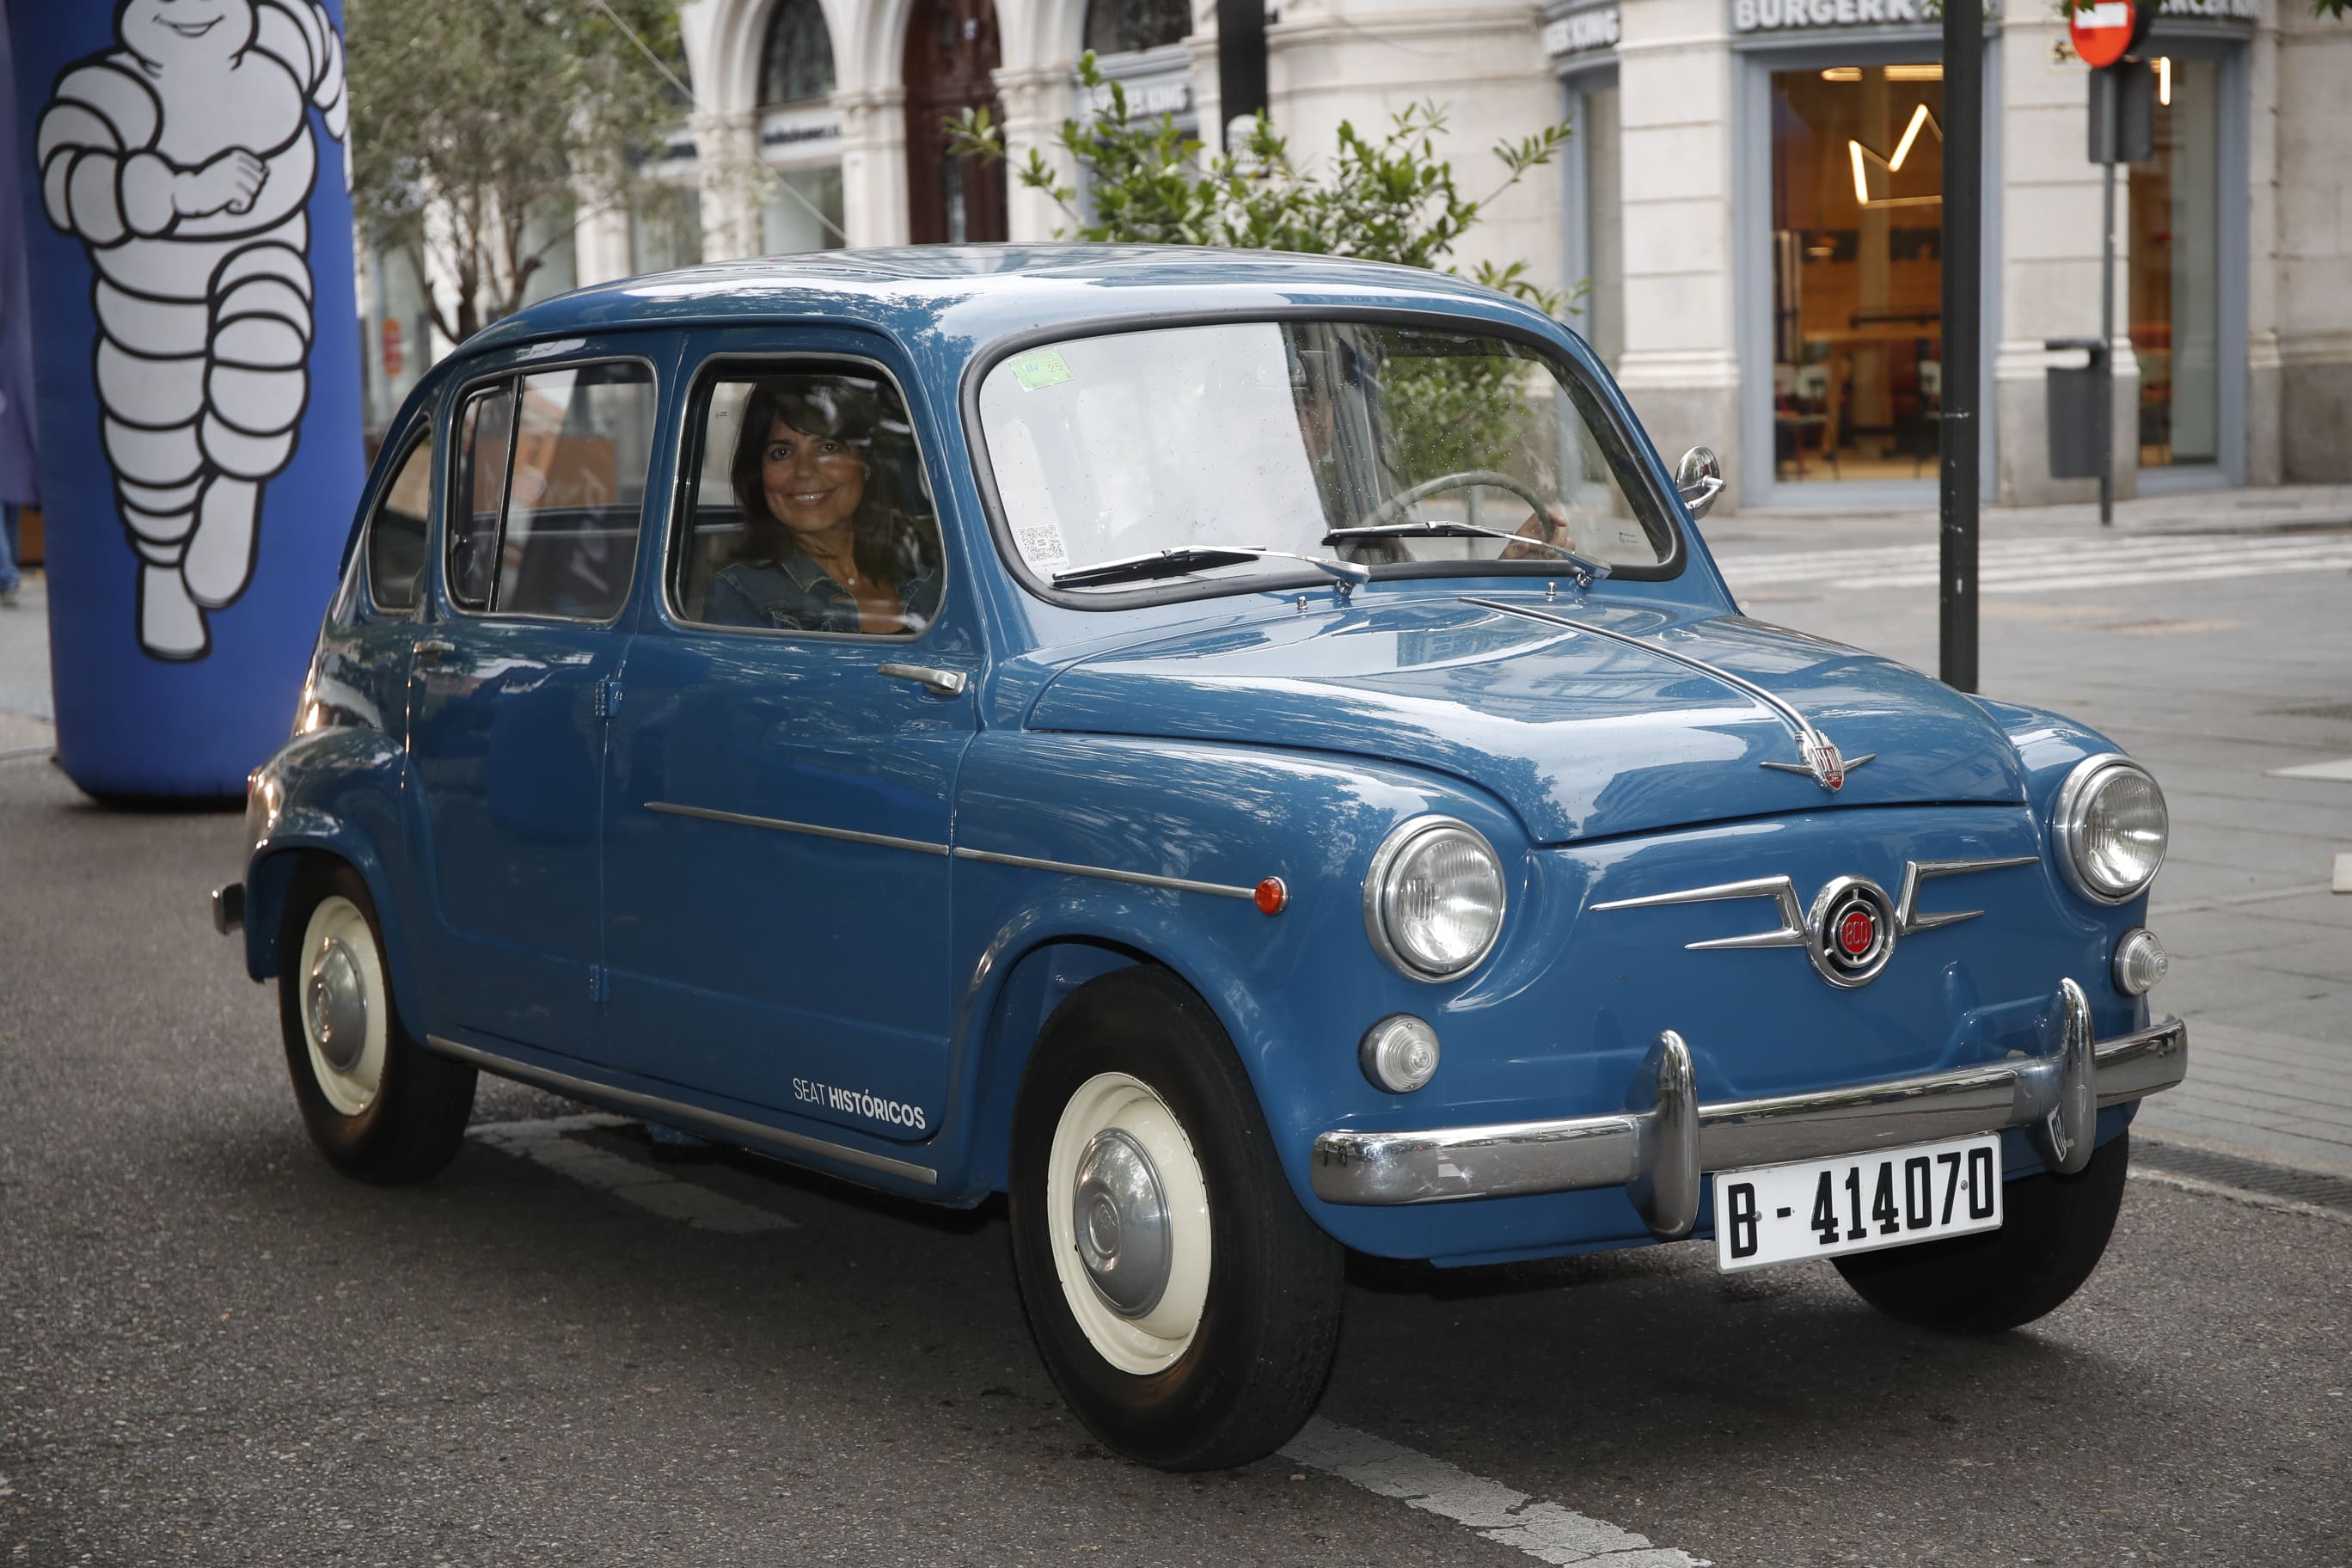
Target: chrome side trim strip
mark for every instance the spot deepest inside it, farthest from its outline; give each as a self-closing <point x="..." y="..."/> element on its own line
<point x="674" y="1111"/>
<point x="923" y="847"/>
<point x="1139" y="878"/>
<point x="920" y="847"/>
<point x="1625" y="1149"/>
<point x="1808" y="738"/>
<point x="1909" y="921"/>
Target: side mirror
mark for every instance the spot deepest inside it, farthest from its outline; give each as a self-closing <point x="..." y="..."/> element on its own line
<point x="1699" y="478"/>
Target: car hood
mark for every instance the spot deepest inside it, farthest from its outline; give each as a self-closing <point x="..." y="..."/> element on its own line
<point x="1583" y="736"/>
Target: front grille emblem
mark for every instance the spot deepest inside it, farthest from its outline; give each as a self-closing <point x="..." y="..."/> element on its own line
<point x="1850" y="930"/>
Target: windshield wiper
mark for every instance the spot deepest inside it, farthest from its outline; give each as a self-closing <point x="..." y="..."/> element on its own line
<point x="1187" y="558"/>
<point x="1586" y="571"/>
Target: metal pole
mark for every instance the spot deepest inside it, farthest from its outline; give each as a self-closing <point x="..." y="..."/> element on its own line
<point x="2106" y="424"/>
<point x="1963" y="261"/>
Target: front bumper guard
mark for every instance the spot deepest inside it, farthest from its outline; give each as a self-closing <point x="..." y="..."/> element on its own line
<point x="1658" y="1148"/>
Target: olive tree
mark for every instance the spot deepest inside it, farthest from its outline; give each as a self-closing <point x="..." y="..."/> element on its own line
<point x="1391" y="197"/>
<point x="479" y="126"/>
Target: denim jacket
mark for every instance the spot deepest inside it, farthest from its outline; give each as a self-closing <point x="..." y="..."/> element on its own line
<point x="796" y="595"/>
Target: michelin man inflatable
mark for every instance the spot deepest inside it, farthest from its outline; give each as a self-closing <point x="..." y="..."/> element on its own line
<point x="183" y="159"/>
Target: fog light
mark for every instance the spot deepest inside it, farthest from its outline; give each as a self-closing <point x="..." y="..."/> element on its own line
<point x="2140" y="962"/>
<point x="1399" y="1053"/>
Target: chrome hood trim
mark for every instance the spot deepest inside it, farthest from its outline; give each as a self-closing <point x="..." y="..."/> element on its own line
<point x="1818" y="753"/>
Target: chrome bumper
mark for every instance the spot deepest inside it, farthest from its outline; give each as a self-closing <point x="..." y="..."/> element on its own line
<point x="229" y="907"/>
<point x="1661" y="1145"/>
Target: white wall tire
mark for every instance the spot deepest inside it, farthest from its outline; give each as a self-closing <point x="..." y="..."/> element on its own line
<point x="344" y="995"/>
<point x="1151" y="1340"/>
<point x="379" y="1106"/>
<point x="1216" y="1358"/>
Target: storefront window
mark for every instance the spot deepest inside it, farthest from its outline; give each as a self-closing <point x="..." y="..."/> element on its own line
<point x="665" y="229"/>
<point x="1857" y="271"/>
<point x="803" y="211"/>
<point x="1603" y="305"/>
<point x="2175" y="303"/>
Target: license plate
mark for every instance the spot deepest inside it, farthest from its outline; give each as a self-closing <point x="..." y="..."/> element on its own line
<point x="1856" y="1202"/>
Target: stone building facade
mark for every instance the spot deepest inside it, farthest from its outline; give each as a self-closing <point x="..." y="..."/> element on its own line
<point x="1751" y="199"/>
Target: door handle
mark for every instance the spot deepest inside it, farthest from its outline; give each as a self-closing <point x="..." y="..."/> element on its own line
<point x="428" y="650"/>
<point x="939" y="682"/>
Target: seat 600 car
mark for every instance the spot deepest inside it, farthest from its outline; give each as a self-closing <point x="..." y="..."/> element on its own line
<point x="1247" y="756"/>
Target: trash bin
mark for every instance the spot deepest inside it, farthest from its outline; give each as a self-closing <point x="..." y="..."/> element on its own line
<point x="2075" y="392"/>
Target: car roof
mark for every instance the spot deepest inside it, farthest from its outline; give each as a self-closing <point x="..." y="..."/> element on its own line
<point x="980" y="292"/>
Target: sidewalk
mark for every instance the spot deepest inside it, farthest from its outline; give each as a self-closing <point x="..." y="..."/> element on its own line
<point x="2283" y="509"/>
<point x="2230" y="687"/>
<point x="27" y="718"/>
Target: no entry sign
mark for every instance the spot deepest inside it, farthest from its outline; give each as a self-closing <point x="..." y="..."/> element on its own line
<point x="2104" y="33"/>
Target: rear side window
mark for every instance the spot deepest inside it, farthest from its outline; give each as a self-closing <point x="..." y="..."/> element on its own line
<point x="554" y="464"/>
<point x="395" y="540"/>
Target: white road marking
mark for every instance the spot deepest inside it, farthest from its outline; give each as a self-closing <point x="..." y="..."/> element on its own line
<point x="549" y="1142"/>
<point x="2035" y="566"/>
<point x="1542" y="1529"/>
<point x="2339" y="769"/>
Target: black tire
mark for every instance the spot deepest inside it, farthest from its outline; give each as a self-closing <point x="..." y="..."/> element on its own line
<point x="2053" y="1231"/>
<point x="1269" y="1323"/>
<point x="413" y="1123"/>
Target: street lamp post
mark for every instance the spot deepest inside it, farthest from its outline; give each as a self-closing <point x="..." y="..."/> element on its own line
<point x="1958" y="432"/>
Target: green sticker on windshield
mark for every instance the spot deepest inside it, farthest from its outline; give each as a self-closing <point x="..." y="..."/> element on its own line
<point x="1039" y="371"/>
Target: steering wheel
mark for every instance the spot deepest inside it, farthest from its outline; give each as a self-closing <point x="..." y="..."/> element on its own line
<point x="1462" y="479"/>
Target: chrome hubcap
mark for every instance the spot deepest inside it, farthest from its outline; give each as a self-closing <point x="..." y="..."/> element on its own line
<point x="1120" y="1217"/>
<point x="337" y="1000"/>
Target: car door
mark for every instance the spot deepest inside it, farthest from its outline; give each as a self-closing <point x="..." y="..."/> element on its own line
<point x="510" y="687"/>
<point x="776" y="863"/>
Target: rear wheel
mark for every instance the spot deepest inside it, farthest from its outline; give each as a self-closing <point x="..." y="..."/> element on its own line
<point x="378" y="1105"/>
<point x="2053" y="1231"/>
<point x="1183" y="1301"/>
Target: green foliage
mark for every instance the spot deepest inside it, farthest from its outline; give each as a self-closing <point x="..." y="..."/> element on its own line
<point x="473" y="121"/>
<point x="1392" y="198"/>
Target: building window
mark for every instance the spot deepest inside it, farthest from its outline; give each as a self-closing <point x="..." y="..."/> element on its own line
<point x="2175" y="303"/>
<point x="1857" y="271"/>
<point x="1125" y="27"/>
<point x="796" y="60"/>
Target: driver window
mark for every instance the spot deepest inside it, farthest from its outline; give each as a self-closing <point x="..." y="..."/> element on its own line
<point x="810" y="511"/>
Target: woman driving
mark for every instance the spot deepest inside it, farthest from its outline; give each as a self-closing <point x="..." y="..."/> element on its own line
<point x="821" y="552"/>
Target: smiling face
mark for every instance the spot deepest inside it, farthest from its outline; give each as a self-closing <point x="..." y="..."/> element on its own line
<point x="173" y="33"/>
<point x="812" y="483"/>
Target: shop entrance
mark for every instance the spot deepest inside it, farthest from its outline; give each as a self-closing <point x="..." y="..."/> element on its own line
<point x="951" y="52"/>
<point x="1857" y="189"/>
<point x="2175" y="291"/>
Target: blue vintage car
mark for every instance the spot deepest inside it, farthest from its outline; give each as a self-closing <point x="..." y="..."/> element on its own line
<point x="1247" y="756"/>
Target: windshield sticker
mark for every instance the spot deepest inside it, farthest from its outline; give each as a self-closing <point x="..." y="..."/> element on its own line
<point x="1041" y="545"/>
<point x="1040" y="370"/>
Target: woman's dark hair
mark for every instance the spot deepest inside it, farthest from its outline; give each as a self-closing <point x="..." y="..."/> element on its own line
<point x="847" y="409"/>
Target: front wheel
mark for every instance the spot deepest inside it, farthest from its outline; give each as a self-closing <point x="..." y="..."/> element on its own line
<point x="2052" y="1237"/>
<point x="378" y="1104"/>
<point x="1186" y="1305"/>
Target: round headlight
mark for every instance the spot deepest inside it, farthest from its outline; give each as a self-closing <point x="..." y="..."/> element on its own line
<point x="1398" y="1054"/>
<point x="1434" y="897"/>
<point x="2112" y="829"/>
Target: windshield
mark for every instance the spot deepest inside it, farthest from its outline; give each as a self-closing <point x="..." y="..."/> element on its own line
<point x="1406" y="450"/>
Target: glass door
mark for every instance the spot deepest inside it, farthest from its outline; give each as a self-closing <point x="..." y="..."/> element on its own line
<point x="2175" y="295"/>
<point x="1856" y="312"/>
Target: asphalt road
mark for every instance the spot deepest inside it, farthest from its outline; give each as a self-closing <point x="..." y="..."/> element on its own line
<point x="213" y="1351"/>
